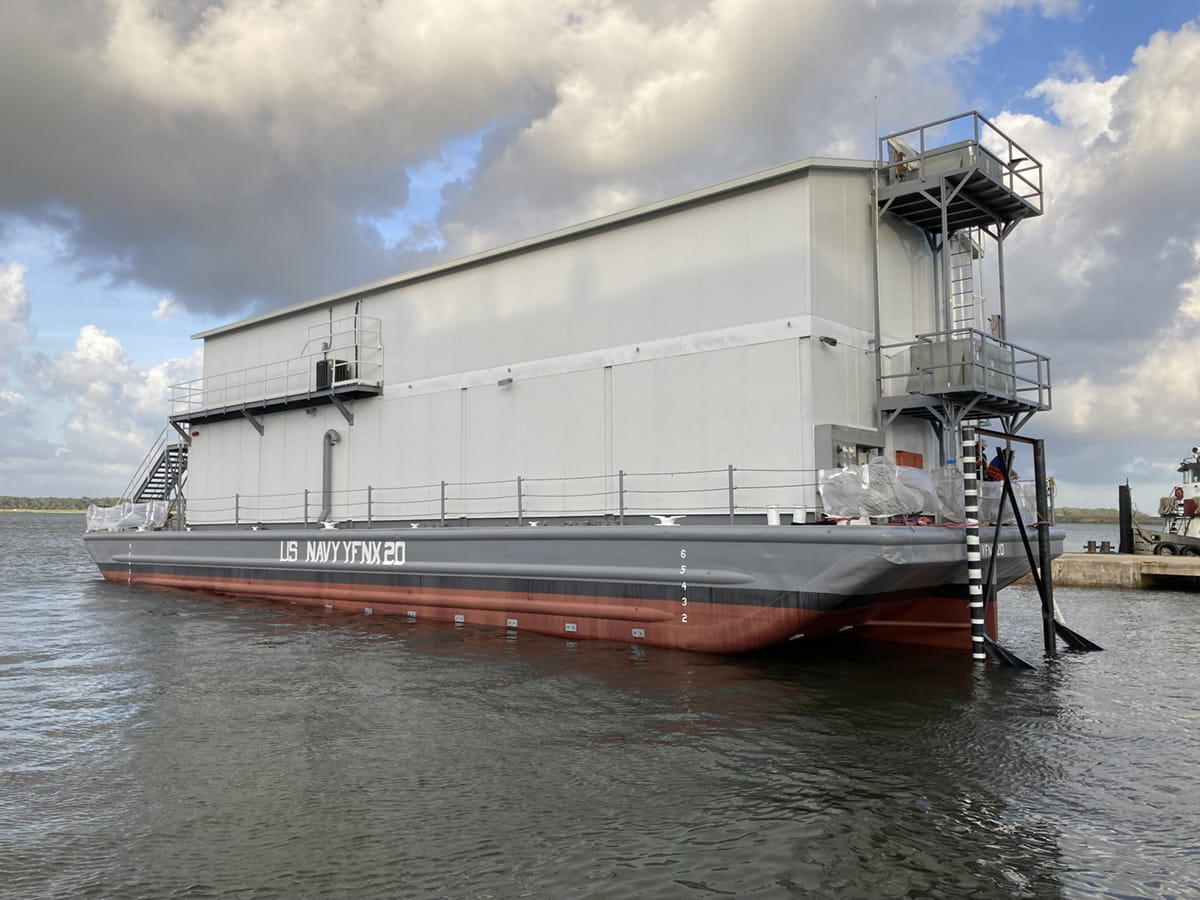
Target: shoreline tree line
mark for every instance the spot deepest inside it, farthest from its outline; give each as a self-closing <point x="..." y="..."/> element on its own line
<point x="54" y="504"/>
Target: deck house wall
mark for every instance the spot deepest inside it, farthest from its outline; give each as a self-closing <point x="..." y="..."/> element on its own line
<point x="681" y="341"/>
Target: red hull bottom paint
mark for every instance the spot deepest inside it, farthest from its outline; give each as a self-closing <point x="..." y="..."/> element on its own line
<point x="710" y="627"/>
<point x="929" y="622"/>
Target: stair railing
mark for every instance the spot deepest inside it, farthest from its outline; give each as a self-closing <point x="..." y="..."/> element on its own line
<point x="142" y="473"/>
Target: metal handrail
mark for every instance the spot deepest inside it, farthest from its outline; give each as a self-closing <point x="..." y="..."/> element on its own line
<point x="147" y="464"/>
<point x="354" y="343"/>
<point x="443" y="501"/>
<point x="1019" y="171"/>
<point x="966" y="358"/>
<point x="173" y="476"/>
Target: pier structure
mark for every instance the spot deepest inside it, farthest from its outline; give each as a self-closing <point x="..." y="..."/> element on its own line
<point x="1126" y="570"/>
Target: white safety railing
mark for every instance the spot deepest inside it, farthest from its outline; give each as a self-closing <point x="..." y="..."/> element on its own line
<point x="965" y="359"/>
<point x="878" y="491"/>
<point x="345" y="351"/>
<point x="621" y="497"/>
<point x="960" y="142"/>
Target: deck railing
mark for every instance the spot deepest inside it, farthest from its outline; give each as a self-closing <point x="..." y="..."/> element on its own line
<point x="708" y="494"/>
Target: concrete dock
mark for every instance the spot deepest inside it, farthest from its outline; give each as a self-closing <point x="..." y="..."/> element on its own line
<point x="1127" y="570"/>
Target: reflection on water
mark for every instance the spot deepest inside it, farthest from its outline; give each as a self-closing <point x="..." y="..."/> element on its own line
<point x="158" y="743"/>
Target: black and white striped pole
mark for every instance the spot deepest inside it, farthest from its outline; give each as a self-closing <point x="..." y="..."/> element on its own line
<point x="974" y="559"/>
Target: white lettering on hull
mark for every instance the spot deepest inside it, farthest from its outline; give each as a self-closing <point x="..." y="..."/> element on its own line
<point x="354" y="553"/>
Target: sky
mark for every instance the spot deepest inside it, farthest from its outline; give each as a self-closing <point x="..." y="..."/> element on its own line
<point x="169" y="166"/>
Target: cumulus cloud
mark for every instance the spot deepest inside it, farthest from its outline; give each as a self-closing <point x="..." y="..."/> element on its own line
<point x="1121" y="219"/>
<point x="12" y="404"/>
<point x="21" y="447"/>
<point x="14" y="316"/>
<point x="166" y="310"/>
<point x="240" y="155"/>
<point x="111" y="413"/>
<point x="108" y="411"/>
<point x="1148" y="392"/>
<point x="1108" y="278"/>
<point x="16" y="416"/>
<point x="229" y="153"/>
<point x="115" y="408"/>
<point x="1114" y="262"/>
<point x="647" y="107"/>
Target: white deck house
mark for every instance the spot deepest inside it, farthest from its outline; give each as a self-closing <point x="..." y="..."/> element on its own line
<point x="777" y="324"/>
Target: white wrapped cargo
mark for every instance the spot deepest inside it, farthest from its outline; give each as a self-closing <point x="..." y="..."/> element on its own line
<point x="127" y="516"/>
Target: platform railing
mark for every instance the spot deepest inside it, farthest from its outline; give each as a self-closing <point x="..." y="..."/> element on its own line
<point x="965" y="359"/>
<point x="350" y="347"/>
<point x="710" y="495"/>
<point x="920" y="152"/>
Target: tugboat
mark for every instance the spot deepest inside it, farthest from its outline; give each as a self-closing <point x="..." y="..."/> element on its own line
<point x="1180" y="531"/>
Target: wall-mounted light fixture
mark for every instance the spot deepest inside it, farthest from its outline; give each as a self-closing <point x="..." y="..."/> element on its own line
<point x="826" y="339"/>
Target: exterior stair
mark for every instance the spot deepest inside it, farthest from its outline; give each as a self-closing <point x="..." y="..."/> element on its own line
<point x="165" y="475"/>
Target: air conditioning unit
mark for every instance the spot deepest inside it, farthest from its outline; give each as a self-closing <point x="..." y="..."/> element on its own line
<point x="333" y="371"/>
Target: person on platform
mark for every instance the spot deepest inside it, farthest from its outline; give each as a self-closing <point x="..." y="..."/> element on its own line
<point x="996" y="468"/>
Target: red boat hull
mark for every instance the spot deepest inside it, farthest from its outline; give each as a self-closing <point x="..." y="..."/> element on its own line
<point x="915" y="618"/>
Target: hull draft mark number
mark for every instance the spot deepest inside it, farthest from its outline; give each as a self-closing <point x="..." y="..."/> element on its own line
<point x="683" y="586"/>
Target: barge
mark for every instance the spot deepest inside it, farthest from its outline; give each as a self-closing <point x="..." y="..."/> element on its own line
<point x="734" y="419"/>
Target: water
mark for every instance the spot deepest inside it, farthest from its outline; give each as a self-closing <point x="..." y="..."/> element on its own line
<point x="1077" y="536"/>
<point x="158" y="744"/>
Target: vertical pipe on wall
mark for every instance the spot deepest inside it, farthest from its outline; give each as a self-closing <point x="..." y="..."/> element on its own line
<point x="1000" y="232"/>
<point x="875" y="268"/>
<point x="947" y="294"/>
<point x="331" y="438"/>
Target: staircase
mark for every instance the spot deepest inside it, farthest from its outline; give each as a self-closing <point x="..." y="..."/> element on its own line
<point x="167" y="473"/>
<point x="162" y="473"/>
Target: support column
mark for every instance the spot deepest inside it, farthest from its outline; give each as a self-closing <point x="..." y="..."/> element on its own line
<point x="1124" y="518"/>
<point x="974" y="560"/>
<point x="1044" y="561"/>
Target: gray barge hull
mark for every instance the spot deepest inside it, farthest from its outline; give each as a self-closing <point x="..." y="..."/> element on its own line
<point x="708" y="588"/>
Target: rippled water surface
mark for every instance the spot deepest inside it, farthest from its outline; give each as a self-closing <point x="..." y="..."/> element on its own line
<point x="160" y="744"/>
